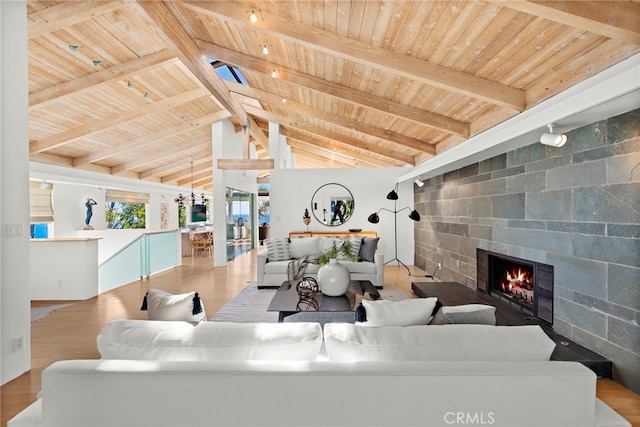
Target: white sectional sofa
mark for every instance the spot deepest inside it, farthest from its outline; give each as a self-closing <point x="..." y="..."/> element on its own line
<point x="272" y="273"/>
<point x="399" y="385"/>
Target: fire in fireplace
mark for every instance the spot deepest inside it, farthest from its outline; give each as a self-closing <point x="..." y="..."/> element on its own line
<point x="524" y="283"/>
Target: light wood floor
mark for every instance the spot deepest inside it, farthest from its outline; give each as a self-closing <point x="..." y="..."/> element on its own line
<point x="71" y="333"/>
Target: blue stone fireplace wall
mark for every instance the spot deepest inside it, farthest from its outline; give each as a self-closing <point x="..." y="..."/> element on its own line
<point x="576" y="207"/>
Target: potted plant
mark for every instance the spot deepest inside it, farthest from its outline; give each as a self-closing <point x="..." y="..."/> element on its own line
<point x="335" y="252"/>
<point x="333" y="277"/>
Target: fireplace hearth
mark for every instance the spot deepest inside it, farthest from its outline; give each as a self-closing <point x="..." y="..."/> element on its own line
<point x="524" y="283"/>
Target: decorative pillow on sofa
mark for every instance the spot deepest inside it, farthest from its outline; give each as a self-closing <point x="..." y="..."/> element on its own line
<point x="368" y="248"/>
<point x="144" y="340"/>
<point x="308" y="246"/>
<point x="161" y="305"/>
<point x="278" y="249"/>
<point x="355" y="243"/>
<point x="417" y="311"/>
<point x="477" y="314"/>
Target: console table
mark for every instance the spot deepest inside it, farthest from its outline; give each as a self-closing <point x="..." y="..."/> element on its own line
<point x="332" y="234"/>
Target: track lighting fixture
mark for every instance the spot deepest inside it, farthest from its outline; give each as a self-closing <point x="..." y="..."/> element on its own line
<point x="265" y="50"/>
<point x="419" y="182"/>
<point x="253" y="17"/>
<point x="553" y="139"/>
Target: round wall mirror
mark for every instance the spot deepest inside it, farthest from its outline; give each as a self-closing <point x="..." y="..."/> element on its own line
<point x="332" y="204"/>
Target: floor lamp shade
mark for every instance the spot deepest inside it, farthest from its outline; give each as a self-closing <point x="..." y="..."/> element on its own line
<point x="414" y="215"/>
<point x="374" y="218"/>
<point x="392" y="195"/>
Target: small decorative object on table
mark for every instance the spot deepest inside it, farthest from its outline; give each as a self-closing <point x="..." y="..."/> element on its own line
<point x="306" y="218"/>
<point x="333" y="277"/>
<point x="307" y="288"/>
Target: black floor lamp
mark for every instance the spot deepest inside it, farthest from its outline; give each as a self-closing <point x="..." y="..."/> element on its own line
<point x="414" y="215"/>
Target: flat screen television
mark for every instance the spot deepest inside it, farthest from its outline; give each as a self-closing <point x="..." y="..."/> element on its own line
<point x="198" y="213"/>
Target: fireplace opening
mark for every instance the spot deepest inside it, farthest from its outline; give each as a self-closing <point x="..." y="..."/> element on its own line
<point x="524" y="283"/>
<point x="513" y="281"/>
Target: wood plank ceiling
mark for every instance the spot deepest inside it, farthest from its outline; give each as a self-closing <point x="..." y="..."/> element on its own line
<point x="127" y="88"/>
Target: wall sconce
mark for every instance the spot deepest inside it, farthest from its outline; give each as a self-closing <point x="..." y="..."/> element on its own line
<point x="419" y="182"/>
<point x="553" y="139"/>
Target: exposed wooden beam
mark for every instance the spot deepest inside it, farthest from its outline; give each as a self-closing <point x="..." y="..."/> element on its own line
<point x="204" y="174"/>
<point x="159" y="155"/>
<point x="148" y="139"/>
<point x="367" y="54"/>
<point x="349" y="94"/>
<point x="98" y="126"/>
<point x="59" y="92"/>
<point x="330" y="146"/>
<point x="186" y="172"/>
<point x="158" y="15"/>
<point x="618" y="20"/>
<point x="354" y="142"/>
<point x="245" y="164"/>
<point x="172" y="165"/>
<point x="300" y="108"/>
<point x="66" y="14"/>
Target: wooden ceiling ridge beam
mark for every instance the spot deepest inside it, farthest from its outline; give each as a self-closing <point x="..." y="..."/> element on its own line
<point x="94" y="127"/>
<point x="148" y="139"/>
<point x="204" y="173"/>
<point x="158" y="15"/>
<point x="617" y="20"/>
<point x="300" y="108"/>
<point x="337" y="90"/>
<point x="91" y="81"/>
<point x="343" y="139"/>
<point x="67" y="14"/>
<point x="159" y="155"/>
<point x="373" y="56"/>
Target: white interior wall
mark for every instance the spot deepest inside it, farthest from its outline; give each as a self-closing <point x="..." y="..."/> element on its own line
<point x="292" y="190"/>
<point x="227" y="144"/>
<point x="14" y="187"/>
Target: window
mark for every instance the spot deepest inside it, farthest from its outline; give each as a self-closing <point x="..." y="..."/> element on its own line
<point x="227" y="72"/>
<point x="125" y="209"/>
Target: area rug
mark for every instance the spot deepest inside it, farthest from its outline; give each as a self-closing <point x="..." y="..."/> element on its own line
<point x="38" y="313"/>
<point x="250" y="305"/>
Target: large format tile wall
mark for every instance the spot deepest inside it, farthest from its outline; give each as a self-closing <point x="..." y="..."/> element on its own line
<point x="576" y="207"/>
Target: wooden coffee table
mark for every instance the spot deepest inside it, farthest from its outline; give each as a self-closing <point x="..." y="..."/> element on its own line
<point x="286" y="299"/>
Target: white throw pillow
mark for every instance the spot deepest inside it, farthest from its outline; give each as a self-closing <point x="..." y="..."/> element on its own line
<point x="307" y="246"/>
<point x="417" y="311"/>
<point x="162" y="305"/>
<point x="144" y="340"/>
<point x="468" y="314"/>
<point x="278" y="249"/>
<point x="326" y="243"/>
<point x="348" y="342"/>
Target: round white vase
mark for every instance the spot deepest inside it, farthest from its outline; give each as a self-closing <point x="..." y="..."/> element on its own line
<point x="334" y="278"/>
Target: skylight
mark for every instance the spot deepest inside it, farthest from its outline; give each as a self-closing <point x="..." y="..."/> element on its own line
<point x="227" y="72"/>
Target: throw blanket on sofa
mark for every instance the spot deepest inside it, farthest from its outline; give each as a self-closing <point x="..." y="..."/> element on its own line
<point x="297" y="266"/>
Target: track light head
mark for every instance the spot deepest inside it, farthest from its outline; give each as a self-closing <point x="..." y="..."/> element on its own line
<point x="419" y="182"/>
<point x="253" y="17"/>
<point x="553" y="139"/>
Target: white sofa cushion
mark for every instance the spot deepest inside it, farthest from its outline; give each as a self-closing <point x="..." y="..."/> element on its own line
<point x="407" y="312"/>
<point x="163" y="305"/>
<point x="466" y="314"/>
<point x="146" y="340"/>
<point x="308" y="246"/>
<point x="348" y="342"/>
